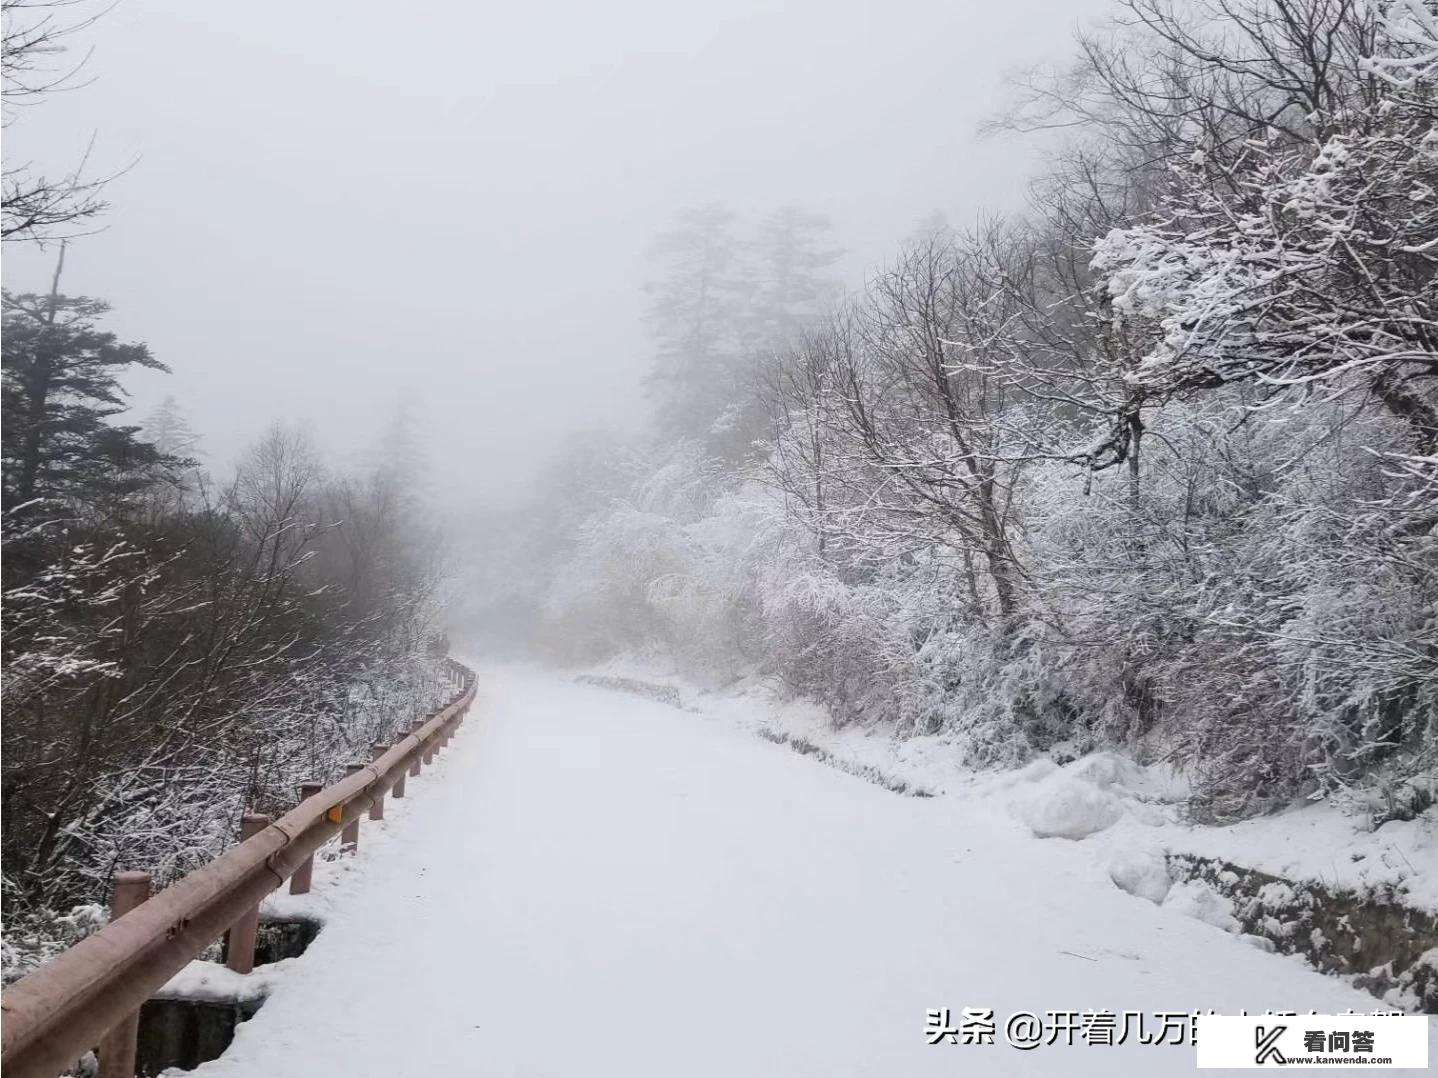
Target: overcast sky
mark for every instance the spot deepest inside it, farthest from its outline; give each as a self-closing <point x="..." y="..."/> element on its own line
<point x="338" y="205"/>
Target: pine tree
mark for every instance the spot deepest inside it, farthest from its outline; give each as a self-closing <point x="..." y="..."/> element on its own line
<point x="170" y="431"/>
<point x="694" y="317"/>
<point x="794" y="290"/>
<point x="61" y="387"/>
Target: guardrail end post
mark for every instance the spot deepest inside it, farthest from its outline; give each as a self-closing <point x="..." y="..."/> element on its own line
<point x="300" y="881"/>
<point x="376" y="810"/>
<point x="117" y="1047"/>
<point x="349" y="837"/>
<point x="240" y="943"/>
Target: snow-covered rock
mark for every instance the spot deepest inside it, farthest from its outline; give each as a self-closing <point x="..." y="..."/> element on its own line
<point x="1062" y="805"/>
<point x="1199" y="900"/>
<point x="1142" y="872"/>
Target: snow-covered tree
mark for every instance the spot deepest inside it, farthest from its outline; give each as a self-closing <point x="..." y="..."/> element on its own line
<point x="1226" y="284"/>
<point x="61" y="389"/>
<point x="695" y="318"/>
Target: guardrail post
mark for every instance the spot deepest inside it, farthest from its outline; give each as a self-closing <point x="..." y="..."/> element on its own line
<point x="300" y="881"/>
<point x="350" y="836"/>
<point x="397" y="790"/>
<point x="117" y="1047"/>
<point x="414" y="764"/>
<point x="376" y="810"/>
<point x="240" y="947"/>
<point x="78" y="1001"/>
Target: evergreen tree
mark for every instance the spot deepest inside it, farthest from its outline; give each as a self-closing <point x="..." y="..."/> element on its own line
<point x="723" y="309"/>
<point x="694" y="317"/>
<point x="794" y="290"/>
<point x="170" y="431"/>
<point x="61" y="387"/>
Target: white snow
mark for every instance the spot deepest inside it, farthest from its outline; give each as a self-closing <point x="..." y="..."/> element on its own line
<point x="1066" y="806"/>
<point x="315" y="906"/>
<point x="217" y="983"/>
<point x="594" y="884"/>
<point x="1141" y="871"/>
<point x="1199" y="900"/>
<point x="1324" y="842"/>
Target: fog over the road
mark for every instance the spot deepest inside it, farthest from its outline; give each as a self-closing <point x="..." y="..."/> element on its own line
<point x="451" y="203"/>
<point x="940" y="496"/>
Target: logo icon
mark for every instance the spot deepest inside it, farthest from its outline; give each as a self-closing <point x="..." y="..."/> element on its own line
<point x="1266" y="1040"/>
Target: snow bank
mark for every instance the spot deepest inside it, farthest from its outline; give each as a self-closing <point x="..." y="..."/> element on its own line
<point x="315" y="906"/>
<point x="1067" y="806"/>
<point x="1325" y="844"/>
<point x="212" y="982"/>
<point x="1128" y="820"/>
<point x="925" y="766"/>
<point x="1109" y="796"/>
<point x="1086" y="796"/>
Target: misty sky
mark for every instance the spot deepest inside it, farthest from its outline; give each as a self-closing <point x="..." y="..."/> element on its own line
<point x="337" y="206"/>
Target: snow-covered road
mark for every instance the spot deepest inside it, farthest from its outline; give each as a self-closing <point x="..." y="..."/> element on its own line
<point x="594" y="884"/>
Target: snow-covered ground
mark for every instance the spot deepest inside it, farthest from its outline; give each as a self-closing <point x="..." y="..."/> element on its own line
<point x="1103" y="797"/>
<point x="596" y="884"/>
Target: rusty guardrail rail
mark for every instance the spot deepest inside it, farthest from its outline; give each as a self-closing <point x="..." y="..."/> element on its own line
<point x="57" y="1013"/>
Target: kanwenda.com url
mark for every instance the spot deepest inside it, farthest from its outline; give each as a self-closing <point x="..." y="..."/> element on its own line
<point x="1347" y="1061"/>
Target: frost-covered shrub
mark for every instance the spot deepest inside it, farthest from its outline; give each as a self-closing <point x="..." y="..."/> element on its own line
<point x="33" y="937"/>
<point x="599" y="604"/>
<point x="1255" y="620"/>
<point x="832" y="640"/>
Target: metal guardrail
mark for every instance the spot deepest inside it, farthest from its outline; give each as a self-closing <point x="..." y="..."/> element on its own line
<point x="57" y="1013"/>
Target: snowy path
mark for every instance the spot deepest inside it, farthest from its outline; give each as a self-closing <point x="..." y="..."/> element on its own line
<point x="599" y="885"/>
